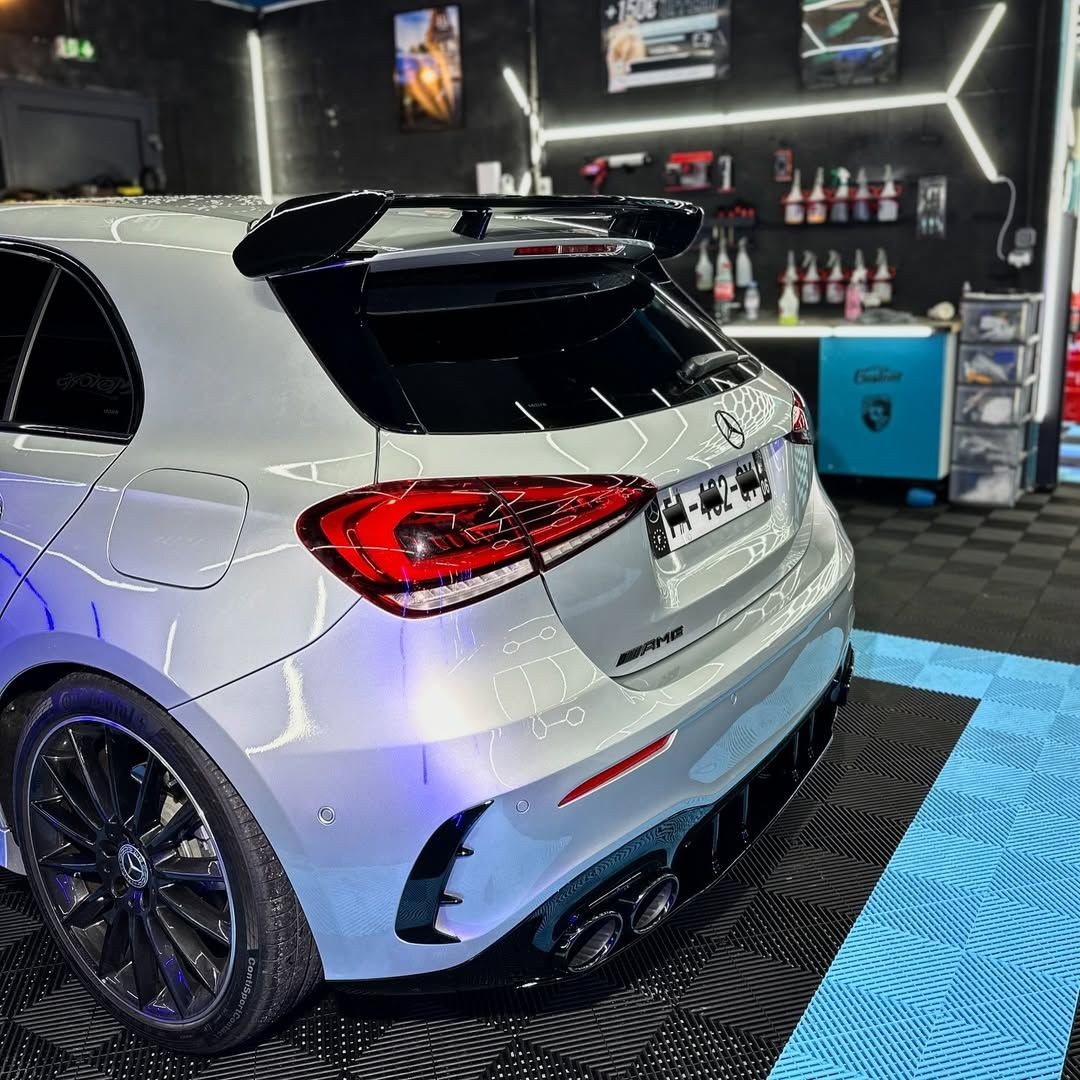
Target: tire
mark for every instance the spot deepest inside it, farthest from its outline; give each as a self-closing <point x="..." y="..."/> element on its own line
<point x="177" y="864"/>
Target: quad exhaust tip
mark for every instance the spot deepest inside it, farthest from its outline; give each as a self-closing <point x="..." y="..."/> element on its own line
<point x="591" y="943"/>
<point x="654" y="904"/>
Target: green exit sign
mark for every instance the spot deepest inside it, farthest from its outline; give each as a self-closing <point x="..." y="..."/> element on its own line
<point x="74" y="48"/>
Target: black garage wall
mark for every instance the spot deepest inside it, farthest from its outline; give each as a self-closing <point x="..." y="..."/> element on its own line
<point x="188" y="55"/>
<point x="935" y="36"/>
<point x="333" y="121"/>
<point x="332" y="101"/>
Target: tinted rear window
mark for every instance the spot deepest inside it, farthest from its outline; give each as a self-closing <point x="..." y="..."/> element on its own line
<point x="504" y="347"/>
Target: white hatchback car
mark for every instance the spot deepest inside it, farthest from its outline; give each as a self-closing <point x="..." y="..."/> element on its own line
<point x="407" y="590"/>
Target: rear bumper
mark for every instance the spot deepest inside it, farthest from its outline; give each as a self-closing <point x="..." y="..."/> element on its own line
<point x="399" y="725"/>
<point x="697" y="845"/>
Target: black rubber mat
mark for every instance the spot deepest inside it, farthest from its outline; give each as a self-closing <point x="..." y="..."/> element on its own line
<point x="1007" y="580"/>
<point x="714" y="993"/>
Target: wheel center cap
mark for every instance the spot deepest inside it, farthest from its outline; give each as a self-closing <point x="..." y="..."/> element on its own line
<point x="133" y="866"/>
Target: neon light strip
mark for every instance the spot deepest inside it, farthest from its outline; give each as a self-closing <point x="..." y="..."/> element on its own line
<point x="262" y="133"/>
<point x="978" y="47"/>
<point x="753" y="331"/>
<point x="517" y="90"/>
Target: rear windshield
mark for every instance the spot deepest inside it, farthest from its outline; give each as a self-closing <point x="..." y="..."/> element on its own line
<point x="505" y="347"/>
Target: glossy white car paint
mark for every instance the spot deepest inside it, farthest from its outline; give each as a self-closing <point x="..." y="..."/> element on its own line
<point x="173" y="563"/>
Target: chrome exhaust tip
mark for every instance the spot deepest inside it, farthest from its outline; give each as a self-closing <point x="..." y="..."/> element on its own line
<point x="654" y="904"/>
<point x="583" y="947"/>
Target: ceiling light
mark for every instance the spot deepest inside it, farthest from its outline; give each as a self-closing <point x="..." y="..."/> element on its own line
<point x="262" y="134"/>
<point x="512" y="81"/>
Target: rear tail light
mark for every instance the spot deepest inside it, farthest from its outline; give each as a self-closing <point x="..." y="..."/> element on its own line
<point x="542" y="250"/>
<point x="419" y="547"/>
<point x="801" y="431"/>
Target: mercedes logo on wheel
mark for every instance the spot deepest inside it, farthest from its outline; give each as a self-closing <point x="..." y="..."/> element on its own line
<point x="730" y="428"/>
<point x="133" y="866"/>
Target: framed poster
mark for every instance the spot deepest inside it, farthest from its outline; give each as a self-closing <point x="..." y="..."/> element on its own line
<point x="651" y="42"/>
<point x="849" y="42"/>
<point x="427" y="71"/>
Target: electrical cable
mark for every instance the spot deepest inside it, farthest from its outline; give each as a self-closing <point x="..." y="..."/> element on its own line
<point x="1008" y="219"/>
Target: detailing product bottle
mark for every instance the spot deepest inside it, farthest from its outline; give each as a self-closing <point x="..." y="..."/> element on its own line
<point x="840" y="212"/>
<point x="752" y="302"/>
<point x="811" y="282"/>
<point x="703" y="271"/>
<point x="817" y="206"/>
<point x="789" y="306"/>
<point x="834" y="280"/>
<point x="859" y="276"/>
<point x="791" y="274"/>
<point x="744" y="269"/>
<point x="889" y="201"/>
<point x="861" y="209"/>
<point x="883" y="282"/>
<point x="794" y="204"/>
<point x="853" y="302"/>
<point x="723" y="282"/>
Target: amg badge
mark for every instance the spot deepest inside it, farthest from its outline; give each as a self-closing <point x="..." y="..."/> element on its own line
<point x="650" y="646"/>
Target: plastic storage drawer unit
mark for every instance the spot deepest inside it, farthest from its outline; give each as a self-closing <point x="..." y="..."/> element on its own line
<point x="999" y="486"/>
<point x="993" y="404"/>
<point x="989" y="445"/>
<point x="999" y="319"/>
<point x="984" y="365"/>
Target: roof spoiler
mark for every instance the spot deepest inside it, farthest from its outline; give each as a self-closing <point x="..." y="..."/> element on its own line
<point x="314" y="230"/>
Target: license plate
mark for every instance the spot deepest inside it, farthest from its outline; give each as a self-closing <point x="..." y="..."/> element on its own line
<point x="685" y="512"/>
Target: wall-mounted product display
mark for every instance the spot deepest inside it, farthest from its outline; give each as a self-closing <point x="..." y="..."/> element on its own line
<point x="596" y="170"/>
<point x="849" y="42"/>
<point x="855" y="289"/>
<point x="933" y="202"/>
<point x="651" y="42"/>
<point x="838" y="205"/>
<point x="689" y="170"/>
<point x="783" y="165"/>
<point x="428" y="73"/>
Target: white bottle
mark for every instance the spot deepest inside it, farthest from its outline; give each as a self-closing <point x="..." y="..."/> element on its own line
<point x="889" y="200"/>
<point x="789" y="306"/>
<point x="794" y="204"/>
<point x="883" y="280"/>
<point x="859" y="276"/>
<point x="723" y="282"/>
<point x="817" y="206"/>
<point x="861" y="210"/>
<point x="744" y="268"/>
<point x="840" y="212"/>
<point x="703" y="270"/>
<point x="835" y="288"/>
<point x="752" y="302"/>
<point x="811" y="282"/>
<point x="791" y="274"/>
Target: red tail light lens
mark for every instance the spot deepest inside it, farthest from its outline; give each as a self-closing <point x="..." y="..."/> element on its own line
<point x="424" y="546"/>
<point x="801" y="431"/>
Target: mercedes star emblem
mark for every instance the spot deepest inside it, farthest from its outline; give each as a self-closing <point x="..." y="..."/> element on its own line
<point x="133" y="866"/>
<point x="731" y="429"/>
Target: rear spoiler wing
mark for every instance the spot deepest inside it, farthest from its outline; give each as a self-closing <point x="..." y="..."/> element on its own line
<point x="314" y="230"/>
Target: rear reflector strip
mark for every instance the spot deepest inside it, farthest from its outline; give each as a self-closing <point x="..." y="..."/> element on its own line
<point x="570" y="249"/>
<point x="601" y="779"/>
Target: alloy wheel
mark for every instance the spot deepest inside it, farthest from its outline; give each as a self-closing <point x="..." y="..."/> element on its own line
<point x="131" y="870"/>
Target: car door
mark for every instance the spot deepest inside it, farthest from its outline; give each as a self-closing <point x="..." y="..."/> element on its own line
<point x="69" y="405"/>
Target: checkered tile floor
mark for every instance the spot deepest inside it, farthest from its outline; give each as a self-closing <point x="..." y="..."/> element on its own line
<point x="1006" y="580"/>
<point x="720" y="990"/>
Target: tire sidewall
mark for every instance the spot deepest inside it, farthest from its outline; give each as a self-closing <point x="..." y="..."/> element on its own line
<point x="98" y="697"/>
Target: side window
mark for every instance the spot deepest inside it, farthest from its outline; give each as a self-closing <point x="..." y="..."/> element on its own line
<point x="76" y="377"/>
<point x="22" y="282"/>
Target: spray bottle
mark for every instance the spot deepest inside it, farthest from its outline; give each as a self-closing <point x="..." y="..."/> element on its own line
<point x="811" y="282"/>
<point x="794" y="204"/>
<point x="752" y="302"/>
<point x="834" y="280"/>
<point x="861" y="210"/>
<point x="789" y="306"/>
<point x="744" y="268"/>
<point x="817" y="206"/>
<point x="859" y="276"/>
<point x="853" y="305"/>
<point x="703" y="269"/>
<point x="791" y="274"/>
<point x="723" y="282"/>
<point x="889" y="200"/>
<point x="883" y="282"/>
<point x="840" y="212"/>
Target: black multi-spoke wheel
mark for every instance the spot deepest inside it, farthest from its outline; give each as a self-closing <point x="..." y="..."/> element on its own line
<point x="153" y="875"/>
<point x="132" y="869"/>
